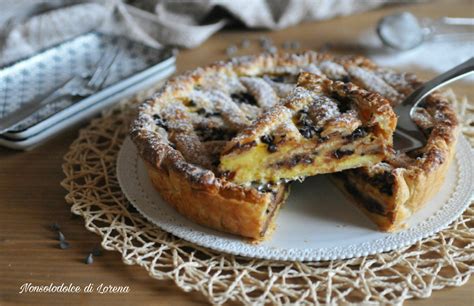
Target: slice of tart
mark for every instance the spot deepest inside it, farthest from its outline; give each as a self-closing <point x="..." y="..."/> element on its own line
<point x="394" y="189"/>
<point x="322" y="126"/>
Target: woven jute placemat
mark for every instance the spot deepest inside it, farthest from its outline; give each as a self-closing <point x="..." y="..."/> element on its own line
<point x="444" y="259"/>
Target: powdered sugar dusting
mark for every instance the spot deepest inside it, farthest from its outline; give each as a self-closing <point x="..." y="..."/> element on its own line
<point x="321" y="110"/>
<point x="373" y="83"/>
<point x="261" y="90"/>
<point x="281" y="89"/>
<point x="333" y="70"/>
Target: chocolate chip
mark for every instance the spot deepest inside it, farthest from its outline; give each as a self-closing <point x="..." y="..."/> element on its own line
<point x="341" y="153"/>
<point x="369" y="203"/>
<point x="295" y="44"/>
<point x="231" y="50"/>
<point x="285" y="78"/>
<point x="209" y="133"/>
<point x="346" y="79"/>
<point x="269" y="141"/>
<point x="305" y="125"/>
<point x="297" y="159"/>
<point x="272" y="148"/>
<point x="271" y="49"/>
<point x="206" y="114"/>
<point x="343" y="103"/>
<point x="243" y="97"/>
<point x="96" y="251"/>
<point x="159" y="121"/>
<point x="422" y="104"/>
<point x="64" y="245"/>
<point x="214" y="114"/>
<point x="358" y="133"/>
<point x="89" y="259"/>
<point x="374" y="206"/>
<point x="307" y="131"/>
<point x="245" y="43"/>
<point x="287" y="45"/>
<point x="383" y="181"/>
<point x="245" y="146"/>
<point x="55" y="226"/>
<point x="277" y="78"/>
<point x="264" y="187"/>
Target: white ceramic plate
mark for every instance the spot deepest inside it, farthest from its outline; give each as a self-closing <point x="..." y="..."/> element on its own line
<point x="316" y="223"/>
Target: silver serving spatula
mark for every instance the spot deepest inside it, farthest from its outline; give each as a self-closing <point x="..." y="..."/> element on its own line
<point x="408" y="136"/>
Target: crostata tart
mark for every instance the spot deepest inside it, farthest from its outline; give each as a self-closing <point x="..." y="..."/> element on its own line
<point x="322" y="126"/>
<point x="182" y="131"/>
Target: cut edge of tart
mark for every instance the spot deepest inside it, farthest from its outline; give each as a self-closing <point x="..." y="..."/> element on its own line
<point x="393" y="190"/>
<point x="183" y="159"/>
<point x="322" y="126"/>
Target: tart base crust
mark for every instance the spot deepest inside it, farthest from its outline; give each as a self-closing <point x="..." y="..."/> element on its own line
<point x="411" y="191"/>
<point x="225" y="209"/>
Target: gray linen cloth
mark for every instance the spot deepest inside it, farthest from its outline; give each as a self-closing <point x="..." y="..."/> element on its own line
<point x="29" y="26"/>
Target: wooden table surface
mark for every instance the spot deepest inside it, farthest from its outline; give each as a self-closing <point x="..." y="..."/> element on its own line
<point x="31" y="197"/>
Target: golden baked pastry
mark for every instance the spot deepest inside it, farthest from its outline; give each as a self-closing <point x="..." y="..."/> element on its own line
<point x="181" y="131"/>
<point x="391" y="191"/>
<point x="322" y="126"/>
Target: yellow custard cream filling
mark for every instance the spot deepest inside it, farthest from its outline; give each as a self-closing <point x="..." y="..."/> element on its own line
<point x="295" y="161"/>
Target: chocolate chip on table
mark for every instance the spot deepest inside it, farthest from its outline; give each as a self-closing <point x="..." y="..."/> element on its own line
<point x="271" y="49"/>
<point x="264" y="41"/>
<point x="64" y="245"/>
<point x="245" y="43"/>
<point x="287" y="45"/>
<point x="89" y="259"/>
<point x="96" y="251"/>
<point x="295" y="44"/>
<point x="55" y="226"/>
<point x="325" y="48"/>
<point x="231" y="50"/>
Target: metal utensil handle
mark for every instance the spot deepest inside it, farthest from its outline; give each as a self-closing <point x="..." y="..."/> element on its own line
<point x="452" y="25"/>
<point x="441" y="80"/>
<point x="30" y="108"/>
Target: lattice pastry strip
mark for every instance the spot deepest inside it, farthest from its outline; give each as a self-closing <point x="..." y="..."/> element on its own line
<point x="321" y="127"/>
